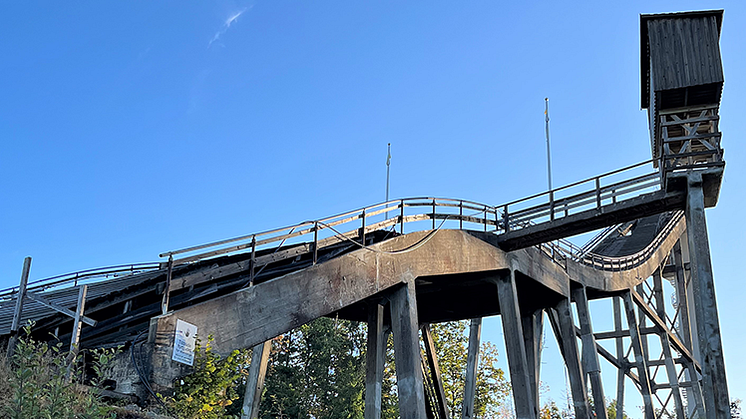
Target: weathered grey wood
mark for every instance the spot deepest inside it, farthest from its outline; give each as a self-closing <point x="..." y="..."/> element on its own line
<point x="682" y="300"/>
<point x="375" y="359"/>
<point x="564" y="329"/>
<point x="432" y="363"/>
<point x="514" y="343"/>
<point x="717" y="403"/>
<point x="255" y="380"/>
<point x="77" y="323"/>
<point x="673" y="380"/>
<point x="472" y="363"/>
<point x="167" y="288"/>
<point x="621" y="369"/>
<point x="624" y="333"/>
<point x="590" y="355"/>
<point x="533" y="325"/>
<point x="407" y="352"/>
<point x="54" y="306"/>
<point x="640" y="360"/>
<point x="19" y="307"/>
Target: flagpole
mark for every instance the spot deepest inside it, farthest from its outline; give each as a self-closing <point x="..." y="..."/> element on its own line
<point x="549" y="155"/>
<point x="388" y="167"/>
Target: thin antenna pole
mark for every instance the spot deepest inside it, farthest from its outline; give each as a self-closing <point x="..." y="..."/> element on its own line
<point x="388" y="168"/>
<point x="549" y="153"/>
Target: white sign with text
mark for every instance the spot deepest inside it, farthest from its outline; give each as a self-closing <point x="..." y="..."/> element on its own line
<point x="185" y="341"/>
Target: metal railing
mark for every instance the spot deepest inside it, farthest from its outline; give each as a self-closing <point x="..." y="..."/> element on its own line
<point x="408" y="215"/>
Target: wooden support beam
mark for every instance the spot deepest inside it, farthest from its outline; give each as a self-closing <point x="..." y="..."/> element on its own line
<point x="56" y="307"/>
<point x="472" y="363"/>
<point x="77" y="323"/>
<point x="19" y="308"/>
<point x="407" y="355"/>
<point x="624" y="333"/>
<point x="432" y="364"/>
<point x="255" y="380"/>
<point x="640" y="359"/>
<point x="564" y="328"/>
<point x="590" y="354"/>
<point x="375" y="360"/>
<point x="514" y="343"/>
<point x="685" y="331"/>
<point x="533" y="325"/>
<point x="620" y="356"/>
<point x="717" y="402"/>
<point x="660" y="324"/>
<point x="673" y="379"/>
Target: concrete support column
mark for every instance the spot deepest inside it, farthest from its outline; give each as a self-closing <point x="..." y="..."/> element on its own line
<point x="510" y="314"/>
<point x="255" y="380"/>
<point x="590" y="355"/>
<point x="472" y="363"/>
<point x="375" y="359"/>
<point x="717" y="403"/>
<point x="407" y="353"/>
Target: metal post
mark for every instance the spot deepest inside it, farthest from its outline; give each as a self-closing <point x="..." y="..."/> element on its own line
<point x="315" y="242"/>
<point x="549" y="154"/>
<point x="19" y="307"/>
<point x="433" y="213"/>
<point x="401" y="216"/>
<point x="252" y="262"/>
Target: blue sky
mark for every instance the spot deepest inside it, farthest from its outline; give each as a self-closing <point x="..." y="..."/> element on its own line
<point x="128" y="129"/>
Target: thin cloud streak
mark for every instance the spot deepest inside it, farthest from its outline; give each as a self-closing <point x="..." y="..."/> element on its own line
<point x="226" y="25"/>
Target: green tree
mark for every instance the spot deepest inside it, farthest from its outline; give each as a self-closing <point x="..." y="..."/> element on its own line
<point x="451" y="345"/>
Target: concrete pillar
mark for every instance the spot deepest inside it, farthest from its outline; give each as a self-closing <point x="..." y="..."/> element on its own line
<point x="717" y="402"/>
<point x="514" y="343"/>
<point x="407" y="353"/>
<point x="255" y="380"/>
<point x="375" y="359"/>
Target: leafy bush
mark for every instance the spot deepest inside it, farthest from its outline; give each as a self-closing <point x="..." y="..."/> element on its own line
<point x="211" y="387"/>
<point x="45" y="382"/>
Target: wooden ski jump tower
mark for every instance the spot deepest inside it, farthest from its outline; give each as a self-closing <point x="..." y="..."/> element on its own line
<point x="460" y="260"/>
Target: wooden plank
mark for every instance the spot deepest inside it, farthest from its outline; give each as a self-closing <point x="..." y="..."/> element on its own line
<point x="18" y="312"/>
<point x="375" y="359"/>
<point x="432" y="363"/>
<point x="54" y="306"/>
<point x="510" y="314"/>
<point x="77" y="324"/>
<point x="472" y="364"/>
<point x="255" y="380"/>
